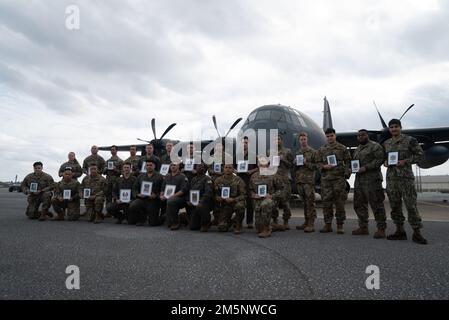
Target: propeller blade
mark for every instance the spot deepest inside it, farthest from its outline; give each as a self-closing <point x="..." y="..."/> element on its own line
<point x="384" y="125"/>
<point x="153" y="126"/>
<point x="236" y="122"/>
<point x="144" y="140"/>
<point x="167" y="130"/>
<point x="407" y="111"/>
<point x="214" y="120"/>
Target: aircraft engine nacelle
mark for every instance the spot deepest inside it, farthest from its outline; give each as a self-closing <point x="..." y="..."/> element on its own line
<point x="434" y="156"/>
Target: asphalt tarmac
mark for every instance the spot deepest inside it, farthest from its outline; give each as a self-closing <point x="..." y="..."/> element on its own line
<point x="129" y="262"/>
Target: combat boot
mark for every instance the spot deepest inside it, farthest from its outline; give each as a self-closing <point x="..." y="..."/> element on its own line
<point x="98" y="218"/>
<point x="417" y="236"/>
<point x="380" y="234"/>
<point x="43" y="216"/>
<point x="59" y="217"/>
<point x="327" y="228"/>
<point x="286" y="226"/>
<point x="238" y="228"/>
<point x="310" y="226"/>
<point x="204" y="228"/>
<point x="265" y="232"/>
<point x="361" y="231"/>
<point x="340" y="229"/>
<point x="399" y="234"/>
<point x="277" y="227"/>
<point x="303" y="226"/>
<point x="174" y="227"/>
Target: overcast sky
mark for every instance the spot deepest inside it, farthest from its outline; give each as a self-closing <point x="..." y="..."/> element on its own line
<point x="182" y="61"/>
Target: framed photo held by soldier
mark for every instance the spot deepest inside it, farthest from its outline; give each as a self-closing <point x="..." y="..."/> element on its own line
<point x="146" y="188"/>
<point x="164" y="169"/>
<point x="67" y="194"/>
<point x="262" y="190"/>
<point x="242" y="166"/>
<point x="393" y="158"/>
<point x="300" y="160"/>
<point x="86" y="193"/>
<point x="355" y="166"/>
<point x="225" y="192"/>
<point x="276" y="161"/>
<point x="332" y="160"/>
<point x="143" y="169"/>
<point x="188" y="164"/>
<point x="125" y="195"/>
<point x="194" y="197"/>
<point x="217" y="167"/>
<point x="110" y="165"/>
<point x="169" y="191"/>
<point x="33" y="187"/>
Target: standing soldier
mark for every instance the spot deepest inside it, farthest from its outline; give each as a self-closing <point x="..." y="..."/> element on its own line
<point x="283" y="171"/>
<point x="96" y="186"/>
<point x="149" y="155"/>
<point x="400" y="181"/>
<point x="233" y="201"/>
<point x="189" y="173"/>
<point x="119" y="207"/>
<point x="38" y="187"/>
<point x="246" y="177"/>
<point x="305" y="181"/>
<point x="200" y="213"/>
<point x="334" y="161"/>
<point x="368" y="185"/>
<point x="265" y="204"/>
<point x="134" y="159"/>
<point x="176" y="201"/>
<point x="165" y="157"/>
<point x="67" y="197"/>
<point x="94" y="159"/>
<point x="77" y="171"/>
<point x="112" y="170"/>
<point x="147" y="205"/>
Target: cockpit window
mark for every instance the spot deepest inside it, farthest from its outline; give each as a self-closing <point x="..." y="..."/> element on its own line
<point x="278" y="116"/>
<point x="252" y="116"/>
<point x="263" y="115"/>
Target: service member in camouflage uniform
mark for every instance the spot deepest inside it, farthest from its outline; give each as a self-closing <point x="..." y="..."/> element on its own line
<point x="73" y="204"/>
<point x="45" y="185"/>
<point x="178" y="200"/>
<point x="368" y="185"/>
<point x="305" y="182"/>
<point x="235" y="202"/>
<point x="77" y="171"/>
<point x="94" y="159"/>
<point x="134" y="159"/>
<point x="165" y="157"/>
<point x="97" y="185"/>
<point x="147" y="206"/>
<point x="116" y="207"/>
<point x="400" y="182"/>
<point x="149" y="155"/>
<point x="333" y="180"/>
<point x="113" y="174"/>
<point x="283" y="171"/>
<point x="200" y="214"/>
<point x="264" y="206"/>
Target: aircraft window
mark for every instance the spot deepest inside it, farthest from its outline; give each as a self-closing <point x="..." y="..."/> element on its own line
<point x="263" y="115"/>
<point x="252" y="116"/>
<point x="278" y="116"/>
<point x="301" y="120"/>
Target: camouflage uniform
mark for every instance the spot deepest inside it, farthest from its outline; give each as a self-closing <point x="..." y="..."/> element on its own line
<point x="263" y="208"/>
<point x="97" y="186"/>
<point x="246" y="177"/>
<point x="225" y="210"/>
<point x="165" y="158"/>
<point x="141" y="208"/>
<point x="134" y="165"/>
<point x="46" y="184"/>
<point x="200" y="215"/>
<point x="305" y="182"/>
<point x="112" y="176"/>
<point x="368" y="185"/>
<point x="283" y="172"/>
<point x="400" y="180"/>
<point x="333" y="181"/>
<point x="114" y="208"/>
<point x="72" y="205"/>
<point x="174" y="204"/>
<point x="76" y="169"/>
<point x="94" y="160"/>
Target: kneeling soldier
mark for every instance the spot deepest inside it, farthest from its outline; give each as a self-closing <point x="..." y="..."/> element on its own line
<point x="119" y="206"/>
<point x="202" y="188"/>
<point x="94" y="199"/>
<point x="147" y="203"/>
<point x="38" y="187"/>
<point x="67" y="197"/>
<point x="228" y="201"/>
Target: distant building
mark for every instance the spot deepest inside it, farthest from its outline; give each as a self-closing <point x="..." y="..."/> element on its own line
<point x="434" y="183"/>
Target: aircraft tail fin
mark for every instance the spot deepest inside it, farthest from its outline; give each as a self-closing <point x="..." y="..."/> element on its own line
<point x="327" y="116"/>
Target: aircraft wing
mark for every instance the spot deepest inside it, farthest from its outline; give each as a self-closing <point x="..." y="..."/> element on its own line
<point x="123" y="148"/>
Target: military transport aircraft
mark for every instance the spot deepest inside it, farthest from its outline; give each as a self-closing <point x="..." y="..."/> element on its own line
<point x="290" y="122"/>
